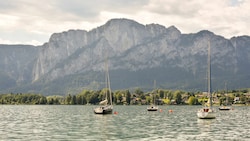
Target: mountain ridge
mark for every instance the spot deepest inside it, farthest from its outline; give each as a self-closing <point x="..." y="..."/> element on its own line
<point x="74" y="60"/>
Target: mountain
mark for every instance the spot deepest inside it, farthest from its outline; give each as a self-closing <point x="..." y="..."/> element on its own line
<point x="137" y="54"/>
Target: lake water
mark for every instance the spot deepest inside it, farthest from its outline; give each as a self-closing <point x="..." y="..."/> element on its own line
<point x="62" y="122"/>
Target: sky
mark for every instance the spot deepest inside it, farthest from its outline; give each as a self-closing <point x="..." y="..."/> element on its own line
<point x="33" y="22"/>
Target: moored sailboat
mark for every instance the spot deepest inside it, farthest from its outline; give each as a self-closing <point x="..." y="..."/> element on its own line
<point x="106" y="106"/>
<point x="152" y="106"/>
<point x="225" y="106"/>
<point x="208" y="112"/>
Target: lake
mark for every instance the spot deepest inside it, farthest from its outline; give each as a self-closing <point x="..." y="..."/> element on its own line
<point x="64" y="122"/>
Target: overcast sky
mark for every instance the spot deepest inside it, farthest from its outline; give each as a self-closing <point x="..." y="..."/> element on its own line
<point x="33" y="21"/>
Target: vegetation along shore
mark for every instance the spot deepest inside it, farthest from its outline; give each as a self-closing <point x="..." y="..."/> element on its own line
<point x="125" y="97"/>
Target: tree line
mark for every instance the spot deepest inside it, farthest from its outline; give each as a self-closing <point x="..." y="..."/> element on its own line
<point x="125" y="97"/>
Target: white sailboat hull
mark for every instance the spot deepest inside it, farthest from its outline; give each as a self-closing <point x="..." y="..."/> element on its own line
<point x="206" y="113"/>
<point x="225" y="108"/>
<point x="107" y="109"/>
<point x="152" y="108"/>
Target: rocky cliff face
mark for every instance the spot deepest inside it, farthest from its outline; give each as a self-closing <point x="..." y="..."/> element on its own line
<point x="16" y="62"/>
<point x="57" y="50"/>
<point x="137" y="55"/>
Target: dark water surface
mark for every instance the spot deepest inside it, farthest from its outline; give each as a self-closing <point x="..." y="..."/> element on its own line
<point x="132" y="123"/>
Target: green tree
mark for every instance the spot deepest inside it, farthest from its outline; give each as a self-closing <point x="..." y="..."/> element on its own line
<point x="177" y="97"/>
<point x="73" y="100"/>
<point x="50" y="101"/>
<point x="93" y="98"/>
<point x="68" y="99"/>
<point x="119" y="97"/>
<point x="80" y="99"/>
<point x="169" y="95"/>
<point x="243" y="98"/>
<point x="128" y="97"/>
<point x="161" y="93"/>
<point x="86" y="94"/>
<point x="148" y="99"/>
<point x="192" y="100"/>
<point x="42" y="100"/>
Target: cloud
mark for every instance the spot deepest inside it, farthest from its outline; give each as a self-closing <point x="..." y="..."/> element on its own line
<point x="32" y="42"/>
<point x="37" y="20"/>
<point x="220" y="17"/>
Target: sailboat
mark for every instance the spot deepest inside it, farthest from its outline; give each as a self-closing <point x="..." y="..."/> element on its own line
<point x="153" y="107"/>
<point x="226" y="106"/>
<point x="106" y="106"/>
<point x="208" y="112"/>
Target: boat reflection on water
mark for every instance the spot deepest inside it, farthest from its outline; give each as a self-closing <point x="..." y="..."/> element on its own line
<point x="204" y="124"/>
<point x="103" y="121"/>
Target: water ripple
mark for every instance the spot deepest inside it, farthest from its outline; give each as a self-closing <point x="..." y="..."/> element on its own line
<point x="55" y="123"/>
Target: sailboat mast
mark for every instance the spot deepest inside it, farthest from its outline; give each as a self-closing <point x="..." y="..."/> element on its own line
<point x="209" y="75"/>
<point x="106" y="80"/>
<point x="226" y="93"/>
<point x="108" y="83"/>
<point x="154" y="93"/>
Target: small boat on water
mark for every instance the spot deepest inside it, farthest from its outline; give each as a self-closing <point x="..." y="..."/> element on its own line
<point x="226" y="106"/>
<point x="208" y="112"/>
<point x="153" y="107"/>
<point x="106" y="109"/>
<point x="106" y="106"/>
